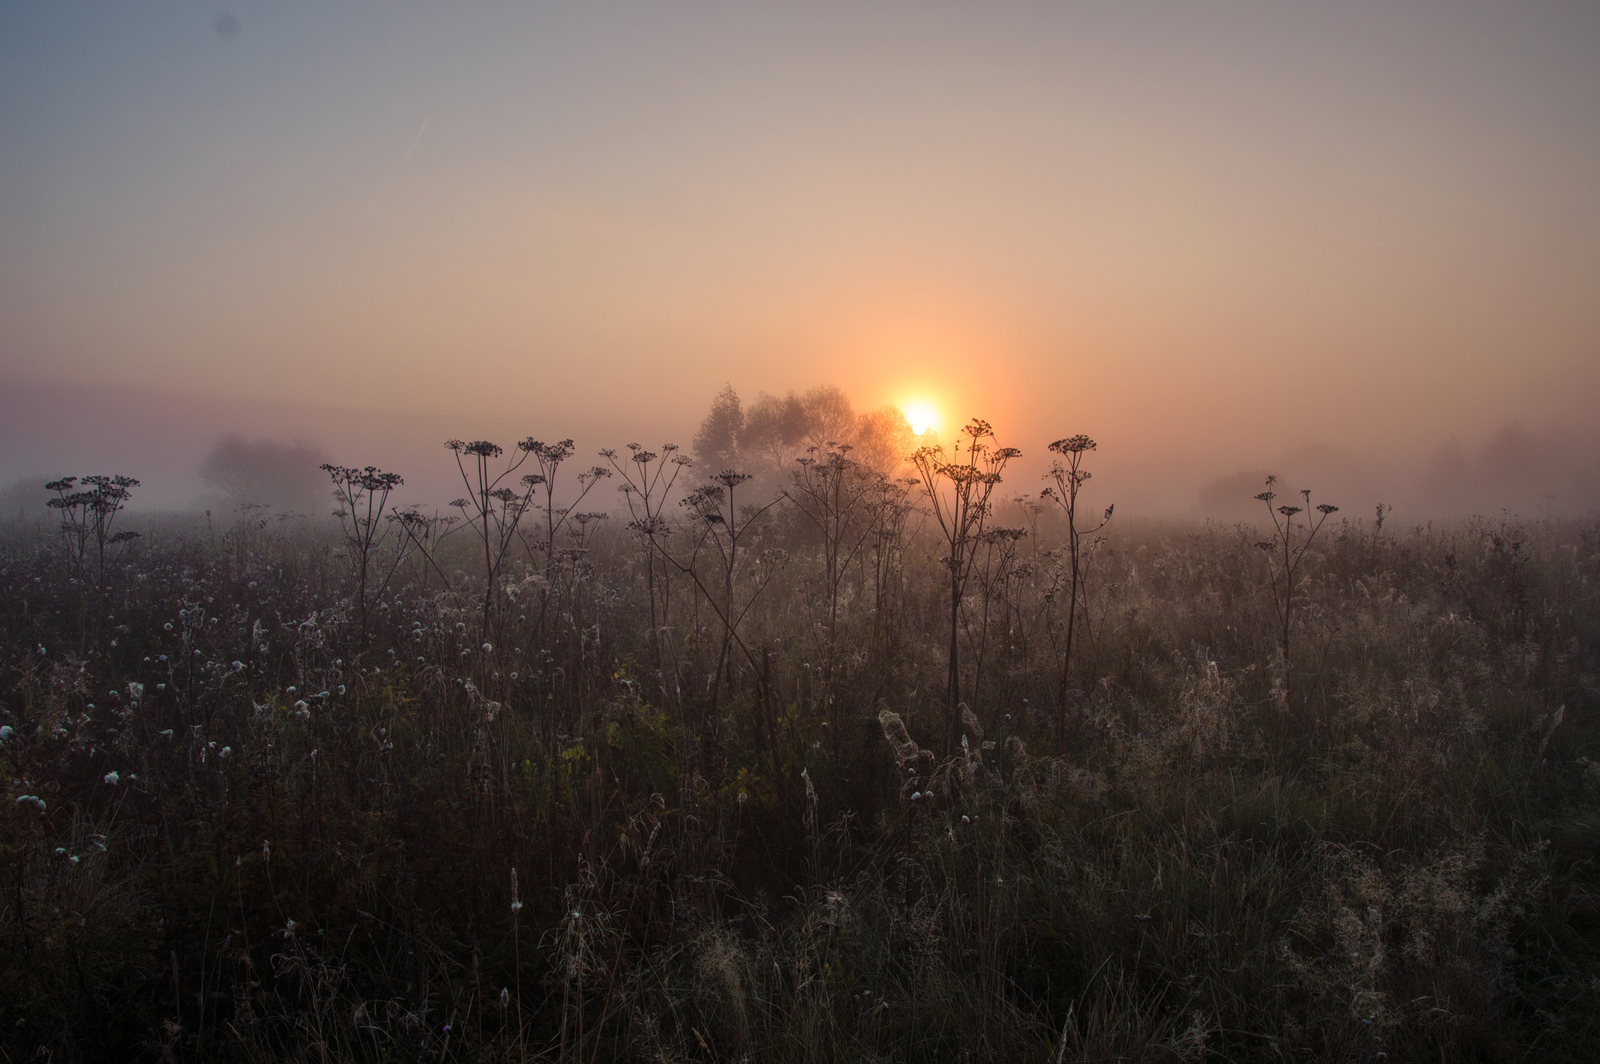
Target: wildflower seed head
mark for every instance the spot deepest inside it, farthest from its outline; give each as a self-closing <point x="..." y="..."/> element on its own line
<point x="1073" y="445"/>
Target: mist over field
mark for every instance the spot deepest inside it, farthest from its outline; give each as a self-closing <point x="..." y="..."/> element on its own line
<point x="165" y="438"/>
<point x="1349" y="244"/>
<point x="874" y="531"/>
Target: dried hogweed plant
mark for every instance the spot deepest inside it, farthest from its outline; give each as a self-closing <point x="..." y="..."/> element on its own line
<point x="362" y="495"/>
<point x="544" y="540"/>
<point x="1069" y="476"/>
<point x="86" y="518"/>
<point x="646" y="488"/>
<point x="834" y="493"/>
<point x="492" y="510"/>
<point x="958" y="490"/>
<point x="1287" y="550"/>
<point x="549" y="457"/>
<point x="719" y="525"/>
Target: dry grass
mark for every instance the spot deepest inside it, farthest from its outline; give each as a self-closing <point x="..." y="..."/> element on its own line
<point x="267" y="834"/>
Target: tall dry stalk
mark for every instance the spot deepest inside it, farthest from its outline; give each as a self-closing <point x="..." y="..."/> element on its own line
<point x="958" y="492"/>
<point x="1069" y="478"/>
<point x="1286" y="551"/>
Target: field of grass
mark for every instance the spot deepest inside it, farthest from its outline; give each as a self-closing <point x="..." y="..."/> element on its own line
<point x="275" y="791"/>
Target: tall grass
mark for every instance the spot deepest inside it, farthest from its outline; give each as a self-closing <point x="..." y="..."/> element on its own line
<point x="235" y="827"/>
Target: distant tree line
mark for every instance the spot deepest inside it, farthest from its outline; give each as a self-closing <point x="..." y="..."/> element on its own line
<point x="766" y="437"/>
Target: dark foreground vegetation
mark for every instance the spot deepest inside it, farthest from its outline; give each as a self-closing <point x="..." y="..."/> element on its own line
<point x="701" y="782"/>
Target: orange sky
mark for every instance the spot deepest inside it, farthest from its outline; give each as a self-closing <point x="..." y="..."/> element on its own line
<point x="1205" y="234"/>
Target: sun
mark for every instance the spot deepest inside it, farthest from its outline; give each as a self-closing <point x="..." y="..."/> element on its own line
<point x="921" y="415"/>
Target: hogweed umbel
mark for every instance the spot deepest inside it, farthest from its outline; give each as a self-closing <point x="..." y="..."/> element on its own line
<point x="1287" y="550"/>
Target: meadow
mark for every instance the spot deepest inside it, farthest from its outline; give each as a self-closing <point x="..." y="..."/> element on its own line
<point x="833" y="766"/>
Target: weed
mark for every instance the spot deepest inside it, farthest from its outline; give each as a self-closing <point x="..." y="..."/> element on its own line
<point x="245" y="819"/>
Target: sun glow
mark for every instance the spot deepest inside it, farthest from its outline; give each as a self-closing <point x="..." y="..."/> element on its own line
<point x="921" y="415"/>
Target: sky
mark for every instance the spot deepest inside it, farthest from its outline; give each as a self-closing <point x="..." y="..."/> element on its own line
<point x="1214" y="236"/>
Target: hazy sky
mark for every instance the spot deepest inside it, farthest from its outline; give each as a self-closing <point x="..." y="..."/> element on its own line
<point x="1189" y="229"/>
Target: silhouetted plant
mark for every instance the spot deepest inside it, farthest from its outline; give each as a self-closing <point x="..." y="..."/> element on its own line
<point x="719" y="521"/>
<point x="423" y="533"/>
<point x="545" y="538"/>
<point x="958" y="493"/>
<point x="842" y="499"/>
<point x="1031" y="507"/>
<point x="646" y="489"/>
<point x="834" y="494"/>
<point x="716" y="526"/>
<point x="494" y="512"/>
<point x="363" y="496"/>
<point x="86" y="518"/>
<point x="996" y="569"/>
<point x="1069" y="478"/>
<point x="891" y="506"/>
<point x="1286" y="550"/>
<point x="549" y="457"/>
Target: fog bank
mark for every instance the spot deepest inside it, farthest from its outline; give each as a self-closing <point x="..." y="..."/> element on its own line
<point x="165" y="439"/>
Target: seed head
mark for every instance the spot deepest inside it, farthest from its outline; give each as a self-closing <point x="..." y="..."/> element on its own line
<point x="1073" y="445"/>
